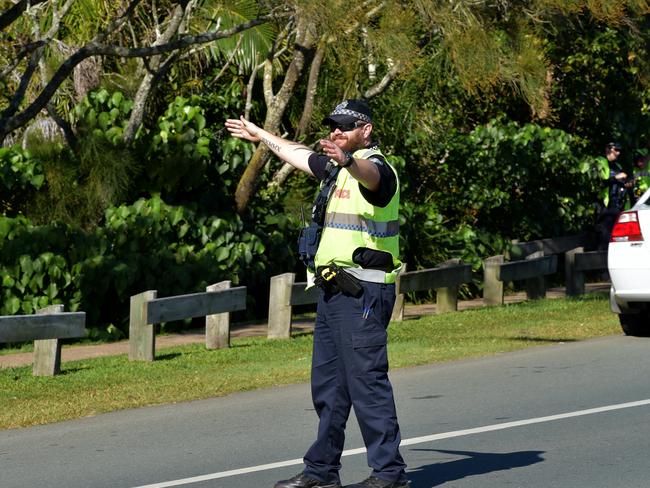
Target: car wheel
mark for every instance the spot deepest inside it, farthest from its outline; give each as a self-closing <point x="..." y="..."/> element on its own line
<point x="637" y="324"/>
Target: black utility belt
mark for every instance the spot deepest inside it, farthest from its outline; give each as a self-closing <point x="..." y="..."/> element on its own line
<point x="333" y="279"/>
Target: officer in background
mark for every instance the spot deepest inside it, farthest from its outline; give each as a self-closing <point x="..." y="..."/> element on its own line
<point x="351" y="248"/>
<point x="641" y="175"/>
<point x="615" y="192"/>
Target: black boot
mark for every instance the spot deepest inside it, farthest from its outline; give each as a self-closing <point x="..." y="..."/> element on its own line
<point x="302" y="481"/>
<point x="374" y="482"/>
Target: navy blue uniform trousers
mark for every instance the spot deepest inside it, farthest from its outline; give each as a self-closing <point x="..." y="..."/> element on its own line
<point x="350" y="369"/>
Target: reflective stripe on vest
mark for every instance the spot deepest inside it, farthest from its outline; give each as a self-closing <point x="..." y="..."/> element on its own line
<point x="362" y="224"/>
<point x="372" y="275"/>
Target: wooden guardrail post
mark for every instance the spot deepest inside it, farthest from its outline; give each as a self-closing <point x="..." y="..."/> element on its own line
<point x="447" y="298"/>
<point x="536" y="286"/>
<point x="45" y="328"/>
<point x="142" y="338"/>
<point x="398" y="308"/>
<point x="217" y="326"/>
<point x="47" y="352"/>
<point x="575" y="279"/>
<point x="280" y="306"/>
<point x="492" y="286"/>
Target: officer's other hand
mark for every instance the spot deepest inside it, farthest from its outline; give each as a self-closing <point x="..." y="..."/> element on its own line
<point x="243" y="129"/>
<point x="621" y="176"/>
<point x="332" y="151"/>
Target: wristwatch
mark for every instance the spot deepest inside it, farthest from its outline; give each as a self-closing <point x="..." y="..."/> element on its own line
<point x="348" y="162"/>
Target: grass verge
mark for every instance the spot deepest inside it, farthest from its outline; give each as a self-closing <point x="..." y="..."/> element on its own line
<point x="100" y="385"/>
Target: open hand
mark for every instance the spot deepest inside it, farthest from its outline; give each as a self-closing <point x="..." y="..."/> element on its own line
<point x="243" y="129"/>
<point x="332" y="151"/>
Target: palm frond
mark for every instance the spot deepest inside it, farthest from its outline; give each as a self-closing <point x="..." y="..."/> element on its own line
<point x="255" y="43"/>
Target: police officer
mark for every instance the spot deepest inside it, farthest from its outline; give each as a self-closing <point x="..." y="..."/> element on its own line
<point x="614" y="193"/>
<point x="355" y="266"/>
<point x="641" y="175"/>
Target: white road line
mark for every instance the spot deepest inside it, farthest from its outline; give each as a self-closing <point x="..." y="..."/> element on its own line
<point x="405" y="442"/>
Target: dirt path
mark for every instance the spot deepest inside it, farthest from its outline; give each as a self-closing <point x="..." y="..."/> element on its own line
<point x="76" y="352"/>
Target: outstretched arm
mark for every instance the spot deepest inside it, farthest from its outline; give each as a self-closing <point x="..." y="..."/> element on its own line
<point x="291" y="152"/>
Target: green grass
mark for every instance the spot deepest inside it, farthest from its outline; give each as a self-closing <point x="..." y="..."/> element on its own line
<point x="94" y="386"/>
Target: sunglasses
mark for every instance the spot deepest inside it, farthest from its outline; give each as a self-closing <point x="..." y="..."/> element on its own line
<point x="346" y="127"/>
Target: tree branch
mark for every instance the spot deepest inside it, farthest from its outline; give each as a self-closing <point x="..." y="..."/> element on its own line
<point x="94" y="48"/>
<point x="228" y="61"/>
<point x="27" y="49"/>
<point x="25" y="79"/>
<point x="375" y="90"/>
<point x="146" y="85"/>
<point x="308" y="110"/>
<point x="9" y="16"/>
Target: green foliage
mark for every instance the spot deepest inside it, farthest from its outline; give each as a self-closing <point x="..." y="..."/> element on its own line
<point x="146" y="245"/>
<point x="103" y="115"/>
<point x="531" y="174"/>
<point x="247" y="49"/>
<point x="178" y="147"/>
<point x="35" y="268"/>
<point x="601" y="82"/>
<point x="175" y="250"/>
<point x="502" y="181"/>
<point x="20" y="176"/>
<point x="84" y="180"/>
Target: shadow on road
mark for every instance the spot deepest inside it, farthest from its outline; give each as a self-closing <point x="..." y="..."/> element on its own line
<point x="475" y="463"/>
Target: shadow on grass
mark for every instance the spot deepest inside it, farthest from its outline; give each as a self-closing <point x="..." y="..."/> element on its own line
<point x="473" y="464"/>
<point x="302" y="334"/>
<point x="168" y="356"/>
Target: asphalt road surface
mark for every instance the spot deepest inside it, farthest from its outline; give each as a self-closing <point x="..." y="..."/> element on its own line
<point x="571" y="415"/>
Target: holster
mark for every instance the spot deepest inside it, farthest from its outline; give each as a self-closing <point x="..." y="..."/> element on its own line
<point x="332" y="278"/>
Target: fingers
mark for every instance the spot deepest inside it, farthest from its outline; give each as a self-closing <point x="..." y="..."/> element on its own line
<point x="242" y="129"/>
<point x="235" y="125"/>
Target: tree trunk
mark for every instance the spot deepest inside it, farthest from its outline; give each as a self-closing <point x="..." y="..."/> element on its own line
<point x="146" y="85"/>
<point x="308" y="110"/>
<point x="276" y="104"/>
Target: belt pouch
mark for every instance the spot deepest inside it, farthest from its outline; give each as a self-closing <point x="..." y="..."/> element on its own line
<point x="347" y="283"/>
<point x="308" y="244"/>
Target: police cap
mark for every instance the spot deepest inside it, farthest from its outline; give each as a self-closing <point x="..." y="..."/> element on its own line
<point x="349" y="111"/>
<point x="614" y="145"/>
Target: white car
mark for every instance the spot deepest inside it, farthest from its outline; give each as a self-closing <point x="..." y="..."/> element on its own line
<point x="628" y="260"/>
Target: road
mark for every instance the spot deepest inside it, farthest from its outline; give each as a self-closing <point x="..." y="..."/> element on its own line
<point x="571" y="415"/>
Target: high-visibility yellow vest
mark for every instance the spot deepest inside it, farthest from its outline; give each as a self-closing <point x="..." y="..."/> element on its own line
<point x="602" y="166"/>
<point x="641" y="183"/>
<point x="351" y="222"/>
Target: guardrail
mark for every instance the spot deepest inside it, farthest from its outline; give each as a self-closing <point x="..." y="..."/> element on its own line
<point x="532" y="269"/>
<point x="553" y="245"/>
<point x="285" y="293"/>
<point x="215" y="304"/>
<point x="46" y="329"/>
<point x="576" y="263"/>
<point x="539" y="260"/>
<point x="531" y="261"/>
<point x="444" y="279"/>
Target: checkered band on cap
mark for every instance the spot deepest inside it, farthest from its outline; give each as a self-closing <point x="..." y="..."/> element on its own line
<point x="342" y="109"/>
